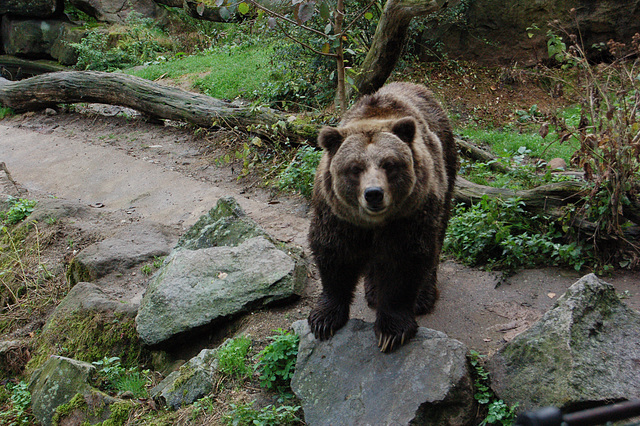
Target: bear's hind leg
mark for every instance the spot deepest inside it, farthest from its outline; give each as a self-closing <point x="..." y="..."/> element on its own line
<point x="428" y="294"/>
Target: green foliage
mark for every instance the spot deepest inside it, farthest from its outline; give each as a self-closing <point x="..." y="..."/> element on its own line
<point x="112" y="376"/>
<point x="15" y="411"/>
<point x="19" y="209"/>
<point x="277" y="362"/>
<point x="137" y="45"/>
<point x="246" y="415"/>
<point x="224" y="72"/>
<point x="5" y="112"/>
<point x="607" y="134"/>
<point x="304" y="80"/>
<point x="232" y="357"/>
<point x="502" y="234"/>
<point x="300" y="173"/>
<point x="497" y="411"/>
<point x="506" y="143"/>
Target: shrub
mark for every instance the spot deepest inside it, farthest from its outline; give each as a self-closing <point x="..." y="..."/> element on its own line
<point x="246" y="415"/>
<point x="277" y="362"/>
<point x="232" y="357"/>
<point x="19" y="209"/>
<point x="300" y="173"/>
<point x="502" y="234"/>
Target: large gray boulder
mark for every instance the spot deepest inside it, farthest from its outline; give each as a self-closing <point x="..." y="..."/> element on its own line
<point x="131" y="246"/>
<point x="192" y="381"/>
<point x="225" y="265"/>
<point x="60" y="380"/>
<point x="117" y="11"/>
<point x="56" y="383"/>
<point x="197" y="287"/>
<point x="31" y="8"/>
<point x="584" y="350"/>
<point x="348" y="381"/>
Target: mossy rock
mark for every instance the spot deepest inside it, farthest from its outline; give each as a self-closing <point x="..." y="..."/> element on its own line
<point x="224" y="225"/>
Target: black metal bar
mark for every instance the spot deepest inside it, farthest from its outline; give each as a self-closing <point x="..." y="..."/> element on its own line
<point x="607" y="413"/>
<point x="552" y="416"/>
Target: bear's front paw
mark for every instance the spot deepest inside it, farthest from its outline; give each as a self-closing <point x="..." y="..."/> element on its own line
<point x="394" y="330"/>
<point x="326" y="318"/>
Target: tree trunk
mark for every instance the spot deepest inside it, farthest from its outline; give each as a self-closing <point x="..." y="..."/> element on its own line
<point x="542" y="198"/>
<point x="389" y="39"/>
<point x="14" y="68"/>
<point x="154" y="99"/>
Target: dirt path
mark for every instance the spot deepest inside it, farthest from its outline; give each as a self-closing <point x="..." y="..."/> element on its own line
<point x="166" y="174"/>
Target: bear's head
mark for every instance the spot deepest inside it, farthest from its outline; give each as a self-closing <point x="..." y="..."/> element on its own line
<point x="371" y="170"/>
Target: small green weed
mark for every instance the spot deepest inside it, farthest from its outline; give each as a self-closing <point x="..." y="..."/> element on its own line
<point x="232" y="357"/>
<point x="112" y="376"/>
<point x="15" y="411"/>
<point x="19" y="209"/>
<point x="5" y="112"/>
<point x="300" y="173"/>
<point x="139" y="44"/>
<point x="277" y="362"/>
<point x="246" y="415"/>
<point x="502" y="234"/>
<point x="498" y="412"/>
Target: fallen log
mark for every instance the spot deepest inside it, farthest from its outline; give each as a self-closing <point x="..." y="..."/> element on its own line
<point x="151" y="98"/>
<point x="14" y="68"/>
<point x="543" y="197"/>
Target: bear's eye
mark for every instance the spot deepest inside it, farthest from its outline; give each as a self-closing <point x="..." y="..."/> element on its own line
<point x="391" y="166"/>
<point x="354" y="170"/>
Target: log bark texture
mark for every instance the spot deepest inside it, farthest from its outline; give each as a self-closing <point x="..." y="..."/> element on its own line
<point x="154" y="99"/>
<point x="389" y="39"/>
<point x="542" y="198"/>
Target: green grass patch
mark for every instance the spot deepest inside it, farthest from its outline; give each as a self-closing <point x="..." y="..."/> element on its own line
<point x="507" y="143"/>
<point x="224" y="73"/>
<point x="5" y="112"/>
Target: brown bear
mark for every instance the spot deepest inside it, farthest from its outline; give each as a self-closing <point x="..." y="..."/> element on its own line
<point x="380" y="208"/>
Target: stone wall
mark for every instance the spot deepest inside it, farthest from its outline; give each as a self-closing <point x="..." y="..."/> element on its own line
<point x="495" y="31"/>
<point x="39" y="29"/>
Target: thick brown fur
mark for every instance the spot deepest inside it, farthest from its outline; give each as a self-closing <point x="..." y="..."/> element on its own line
<point x="380" y="210"/>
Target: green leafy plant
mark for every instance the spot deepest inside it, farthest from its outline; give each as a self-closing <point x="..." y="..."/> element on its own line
<point x="112" y="376"/>
<point x="232" y="357"/>
<point x="5" y="112"/>
<point x="16" y="411"/>
<point x="608" y="133"/>
<point x="277" y="362"/>
<point x="246" y="415"/>
<point x="19" y="209"/>
<point x="498" y="412"/>
<point x="502" y="234"/>
<point x="300" y="173"/>
<point x="138" y="44"/>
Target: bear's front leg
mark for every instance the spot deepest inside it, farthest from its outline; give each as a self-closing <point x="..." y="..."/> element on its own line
<point x="397" y="290"/>
<point x="339" y="280"/>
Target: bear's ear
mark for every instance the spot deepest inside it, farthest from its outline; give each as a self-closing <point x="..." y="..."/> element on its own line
<point x="330" y="139"/>
<point x="405" y="129"/>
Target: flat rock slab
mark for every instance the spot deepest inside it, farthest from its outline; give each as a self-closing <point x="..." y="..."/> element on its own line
<point x="136" y="244"/>
<point x="584" y="350"/>
<point x="348" y="381"/>
<point x="197" y="287"/>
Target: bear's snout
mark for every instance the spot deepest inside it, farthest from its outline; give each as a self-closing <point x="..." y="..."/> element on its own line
<point x="374" y="196"/>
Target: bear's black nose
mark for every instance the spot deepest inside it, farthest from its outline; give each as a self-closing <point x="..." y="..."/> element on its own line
<point x="374" y="196"/>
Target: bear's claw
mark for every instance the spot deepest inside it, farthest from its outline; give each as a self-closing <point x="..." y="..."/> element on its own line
<point x="325" y="321"/>
<point x="388" y="343"/>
